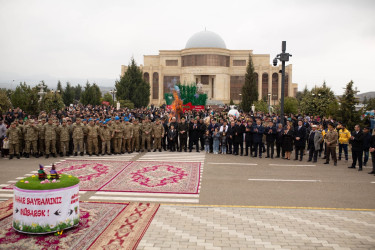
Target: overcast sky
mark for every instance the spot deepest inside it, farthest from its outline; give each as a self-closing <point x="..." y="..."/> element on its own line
<point x="78" y="40"/>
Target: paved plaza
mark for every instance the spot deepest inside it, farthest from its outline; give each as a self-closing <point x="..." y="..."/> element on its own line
<point x="244" y="203"/>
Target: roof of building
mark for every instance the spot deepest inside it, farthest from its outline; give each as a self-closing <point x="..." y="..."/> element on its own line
<point x="205" y="39"/>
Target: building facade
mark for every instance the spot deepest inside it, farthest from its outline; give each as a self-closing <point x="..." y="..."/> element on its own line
<point x="221" y="72"/>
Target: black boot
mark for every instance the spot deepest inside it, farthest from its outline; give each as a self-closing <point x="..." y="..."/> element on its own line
<point x="27" y="156"/>
<point x="10" y="157"/>
<point x="47" y="156"/>
<point x="81" y="154"/>
<point x="75" y="154"/>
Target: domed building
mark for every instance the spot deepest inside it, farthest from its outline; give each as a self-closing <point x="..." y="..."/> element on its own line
<point x="221" y="72"/>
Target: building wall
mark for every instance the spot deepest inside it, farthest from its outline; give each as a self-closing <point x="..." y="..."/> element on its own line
<point x="172" y="63"/>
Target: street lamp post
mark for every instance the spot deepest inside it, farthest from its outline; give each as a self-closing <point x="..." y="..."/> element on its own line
<point x="283" y="57"/>
<point x="269" y="103"/>
<point x="113" y="92"/>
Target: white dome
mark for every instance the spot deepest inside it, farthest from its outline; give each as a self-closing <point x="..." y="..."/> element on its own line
<point x="205" y="39"/>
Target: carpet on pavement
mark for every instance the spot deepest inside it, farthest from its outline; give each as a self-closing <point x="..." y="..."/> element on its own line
<point x="157" y="177"/>
<point x="102" y="225"/>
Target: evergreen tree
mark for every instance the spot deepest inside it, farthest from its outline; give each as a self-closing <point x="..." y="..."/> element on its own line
<point x="132" y="87"/>
<point x="250" y="88"/>
<point x="77" y="92"/>
<point x="108" y="98"/>
<point x="59" y="88"/>
<point x="5" y="103"/>
<point x="91" y="94"/>
<point x="347" y="111"/>
<point x="68" y="94"/>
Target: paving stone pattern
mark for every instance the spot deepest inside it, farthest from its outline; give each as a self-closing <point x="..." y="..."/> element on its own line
<point x="185" y="227"/>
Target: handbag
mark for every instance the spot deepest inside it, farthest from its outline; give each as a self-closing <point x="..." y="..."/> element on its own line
<point x="6" y="144"/>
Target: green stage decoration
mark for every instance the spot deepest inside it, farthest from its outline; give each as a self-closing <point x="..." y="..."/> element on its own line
<point x="187" y="93"/>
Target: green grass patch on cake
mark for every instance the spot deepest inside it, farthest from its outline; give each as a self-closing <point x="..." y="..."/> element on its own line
<point x="33" y="182"/>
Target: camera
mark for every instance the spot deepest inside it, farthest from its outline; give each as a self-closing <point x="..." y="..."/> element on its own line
<point x="275" y="62"/>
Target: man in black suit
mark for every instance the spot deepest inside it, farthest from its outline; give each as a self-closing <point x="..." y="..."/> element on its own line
<point x="299" y="140"/>
<point x="357" y="147"/>
<point x="194" y="135"/>
<point x="239" y="129"/>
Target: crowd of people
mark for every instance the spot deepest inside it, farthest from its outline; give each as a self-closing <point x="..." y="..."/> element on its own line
<point x="104" y="130"/>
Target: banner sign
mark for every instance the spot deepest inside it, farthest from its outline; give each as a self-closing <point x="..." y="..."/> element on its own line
<point x="45" y="211"/>
<point x="189" y="106"/>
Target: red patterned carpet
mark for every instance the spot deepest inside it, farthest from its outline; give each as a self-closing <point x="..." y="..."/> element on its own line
<point x="157" y="177"/>
<point x="92" y="174"/>
<point x="102" y="225"/>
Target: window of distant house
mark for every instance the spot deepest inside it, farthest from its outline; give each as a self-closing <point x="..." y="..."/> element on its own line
<point x="171" y="62"/>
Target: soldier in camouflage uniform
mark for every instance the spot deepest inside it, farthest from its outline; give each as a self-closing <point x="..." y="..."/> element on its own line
<point x="92" y="137"/>
<point x="13" y="134"/>
<point x="157" y="134"/>
<point x="136" y="134"/>
<point x="117" y="133"/>
<point x="21" y="143"/>
<point x="110" y="127"/>
<point x="50" y="137"/>
<point x="105" y="135"/>
<point x="128" y="135"/>
<point x="63" y="132"/>
<point x="57" y="124"/>
<point x="31" y="138"/>
<point x="146" y="134"/>
<point x="41" y="138"/>
<point x="78" y="132"/>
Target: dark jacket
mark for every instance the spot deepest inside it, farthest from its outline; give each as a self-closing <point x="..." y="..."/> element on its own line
<point x="357" y="141"/>
<point x="172" y="135"/>
<point x="301" y="133"/>
<point x="270" y="133"/>
<point x="258" y="133"/>
<point x="194" y="131"/>
<point x="183" y="127"/>
<point x="249" y="134"/>
<point x="366" y="141"/>
<point x="238" y="133"/>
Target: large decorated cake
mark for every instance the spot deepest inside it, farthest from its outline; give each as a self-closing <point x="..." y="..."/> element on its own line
<point x="46" y="203"/>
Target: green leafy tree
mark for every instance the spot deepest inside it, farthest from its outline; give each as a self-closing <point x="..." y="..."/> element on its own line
<point x="250" y="88"/>
<point x="5" y="103"/>
<point x="132" y="87"/>
<point x="261" y="105"/>
<point x="318" y="101"/>
<point x="52" y="101"/>
<point x="25" y="98"/>
<point x="68" y="94"/>
<point x="290" y="106"/>
<point x="347" y="112"/>
<point x="108" y="98"/>
<point x="126" y="104"/>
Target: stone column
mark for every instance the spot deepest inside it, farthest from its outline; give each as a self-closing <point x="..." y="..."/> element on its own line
<point x="260" y="74"/>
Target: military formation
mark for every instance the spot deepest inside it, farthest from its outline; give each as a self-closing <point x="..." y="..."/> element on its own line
<point x="117" y="135"/>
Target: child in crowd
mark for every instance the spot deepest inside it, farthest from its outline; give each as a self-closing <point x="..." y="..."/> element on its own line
<point x="224" y="143"/>
<point x="216" y="141"/>
<point x="5" y="151"/>
<point x="206" y="138"/>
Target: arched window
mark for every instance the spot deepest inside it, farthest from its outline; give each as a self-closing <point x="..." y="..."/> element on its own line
<point x="286" y="85"/>
<point x="155" y="85"/>
<point x="265" y="85"/>
<point x="146" y="77"/>
<point x="256" y="78"/>
<point x="275" y="86"/>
